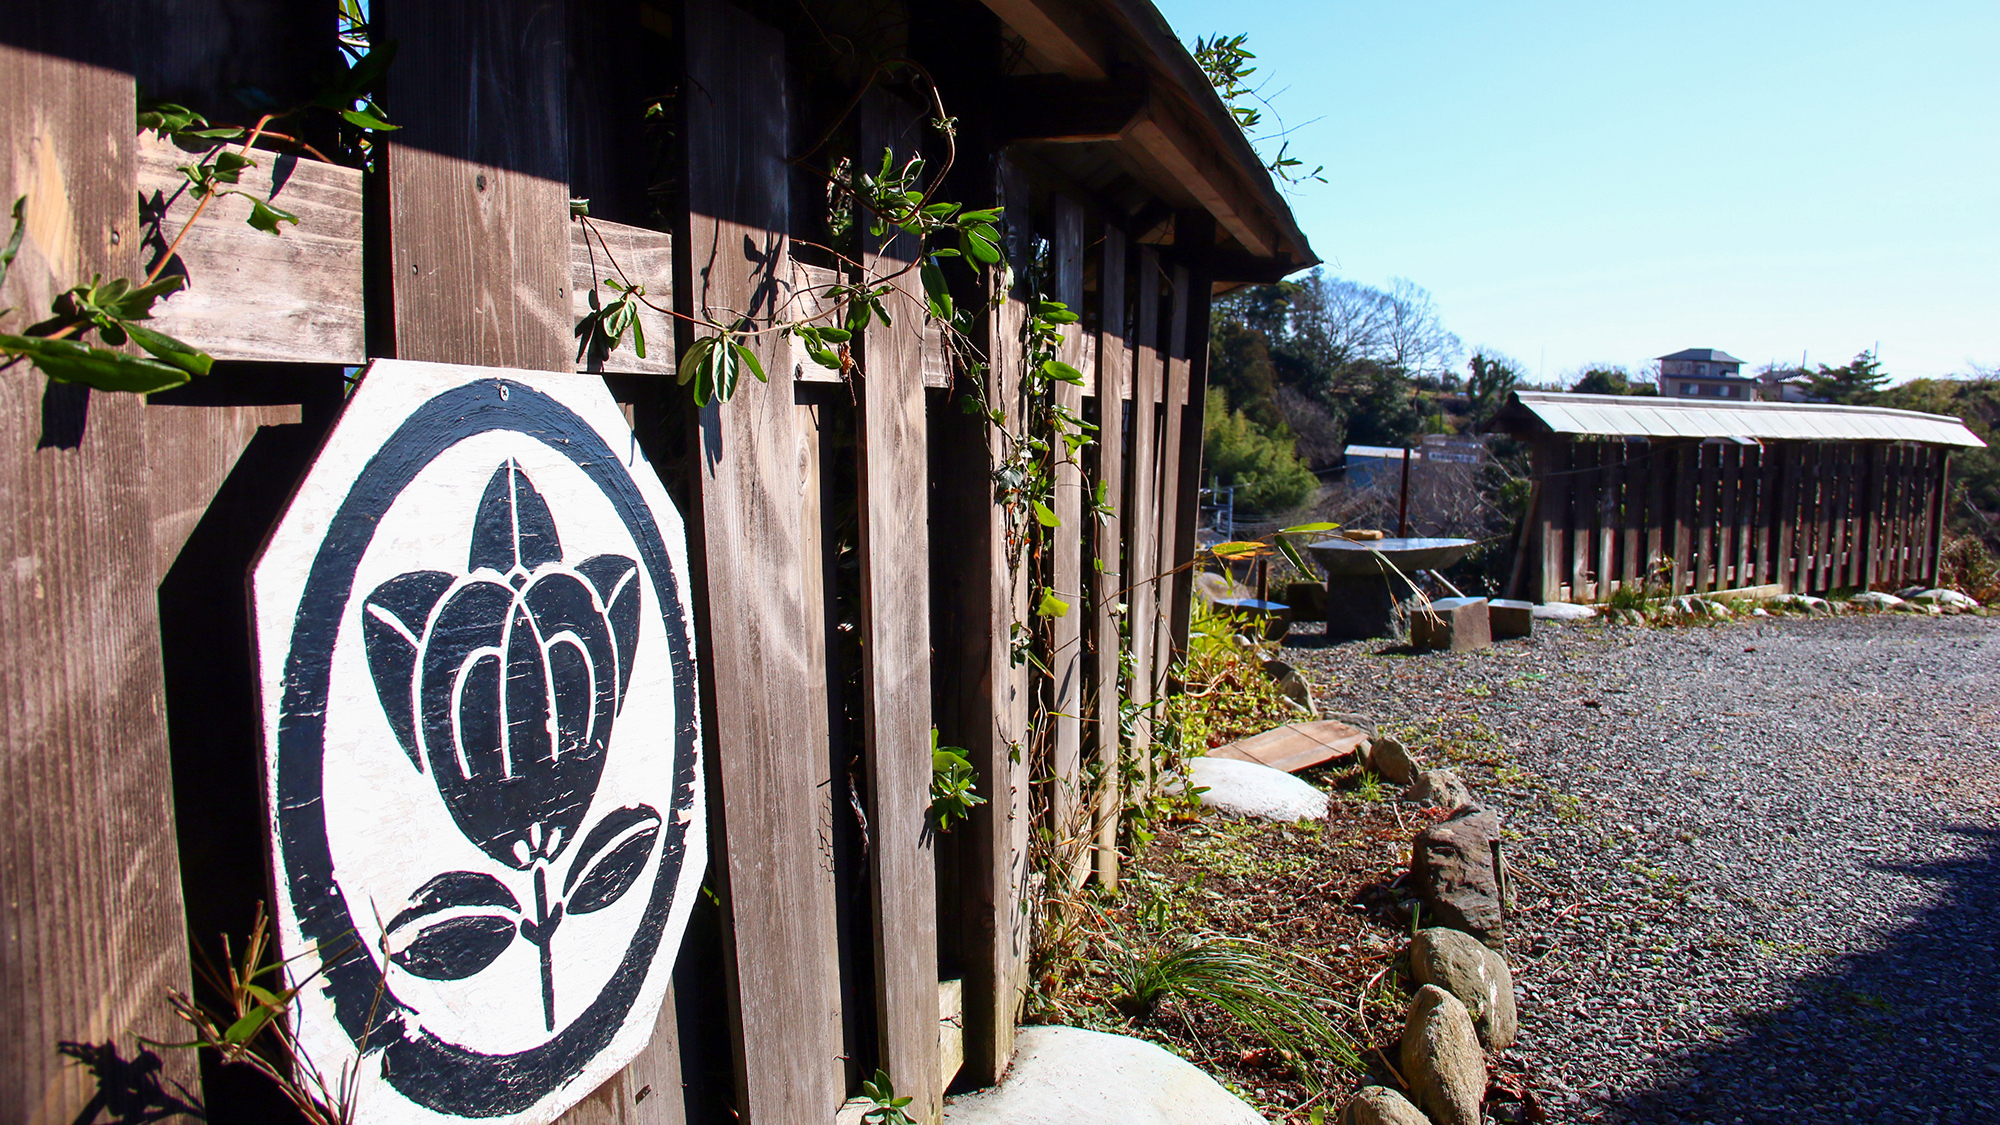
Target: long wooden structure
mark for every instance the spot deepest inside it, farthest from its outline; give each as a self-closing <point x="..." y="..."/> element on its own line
<point x="857" y="589"/>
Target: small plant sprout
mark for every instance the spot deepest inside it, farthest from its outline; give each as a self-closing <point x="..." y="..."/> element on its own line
<point x="952" y="782"/>
<point x="884" y="1107"/>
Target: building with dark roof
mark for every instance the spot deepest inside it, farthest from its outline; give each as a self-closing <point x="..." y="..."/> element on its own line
<point x="1705" y="373"/>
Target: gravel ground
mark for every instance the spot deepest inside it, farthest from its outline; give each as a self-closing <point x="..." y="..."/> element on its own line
<point x="1759" y="862"/>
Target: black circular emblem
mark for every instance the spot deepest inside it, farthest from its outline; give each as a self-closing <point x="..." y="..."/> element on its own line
<point x="501" y="682"/>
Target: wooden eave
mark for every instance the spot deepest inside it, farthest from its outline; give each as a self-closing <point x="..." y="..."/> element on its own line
<point x="1179" y="142"/>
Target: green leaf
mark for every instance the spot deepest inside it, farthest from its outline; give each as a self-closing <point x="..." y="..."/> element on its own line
<point x="1293" y="556"/>
<point x="1044" y="516"/>
<point x="1050" y="605"/>
<point x="692" y="360"/>
<point x="638" y="336"/>
<point x="266" y="218"/>
<point x="1062" y="372"/>
<point x="368" y="119"/>
<point x="834" y="335"/>
<point x="229" y="166"/>
<point x="825" y="357"/>
<point x="749" y="359"/>
<point x="1237" y="550"/>
<point x="165" y="347"/>
<point x="978" y="248"/>
<point x="137" y="304"/>
<point x="1301" y="529"/>
<point x="67" y="361"/>
<point x="13" y="246"/>
<point x="241" y="1031"/>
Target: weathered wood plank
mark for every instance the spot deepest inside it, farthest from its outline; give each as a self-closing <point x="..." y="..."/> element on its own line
<point x="1659" y="472"/>
<point x="1707" y="495"/>
<point x="250" y="295"/>
<point x="1768" y="461"/>
<point x="766" y="710"/>
<point x="1114" y="361"/>
<point x="1934" y="511"/>
<point x="1610" y="481"/>
<point x="1069" y="810"/>
<point x="896" y="657"/>
<point x="634" y="256"/>
<point x="1179" y="474"/>
<point x="1196" y="231"/>
<point x="1784" y="519"/>
<point x="1585" y="461"/>
<point x="1551" y="464"/>
<point x="1142" y="537"/>
<point x="1631" y="513"/>
<point x="1687" y="477"/>
<point x="1727" y="537"/>
<point x="477" y="183"/>
<point x="94" y="929"/>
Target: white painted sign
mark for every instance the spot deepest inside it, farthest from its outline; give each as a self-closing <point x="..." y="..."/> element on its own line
<point x="483" y="751"/>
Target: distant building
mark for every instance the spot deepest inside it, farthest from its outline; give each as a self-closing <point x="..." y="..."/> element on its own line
<point x="1705" y="373"/>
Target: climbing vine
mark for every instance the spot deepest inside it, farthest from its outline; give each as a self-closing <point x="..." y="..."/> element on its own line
<point x="59" y="346"/>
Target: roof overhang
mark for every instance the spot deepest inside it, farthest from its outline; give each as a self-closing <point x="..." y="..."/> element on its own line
<point x="1575" y="415"/>
<point x="1137" y="101"/>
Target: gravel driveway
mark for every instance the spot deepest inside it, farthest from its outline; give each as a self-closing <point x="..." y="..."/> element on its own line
<point x="1759" y="863"/>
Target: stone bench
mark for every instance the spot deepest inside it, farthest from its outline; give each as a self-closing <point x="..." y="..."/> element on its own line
<point x="1510" y="618"/>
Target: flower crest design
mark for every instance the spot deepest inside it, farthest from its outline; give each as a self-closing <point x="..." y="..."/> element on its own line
<point x="503" y="684"/>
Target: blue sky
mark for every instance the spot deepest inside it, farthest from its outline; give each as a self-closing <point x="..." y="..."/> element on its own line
<point x="1609" y="182"/>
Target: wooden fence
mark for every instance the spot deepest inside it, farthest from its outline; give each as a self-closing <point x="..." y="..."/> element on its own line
<point x="853" y="585"/>
<point x="1674" y="517"/>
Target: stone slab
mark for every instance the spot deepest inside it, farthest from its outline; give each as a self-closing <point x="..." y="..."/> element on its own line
<point x="1064" y="1075"/>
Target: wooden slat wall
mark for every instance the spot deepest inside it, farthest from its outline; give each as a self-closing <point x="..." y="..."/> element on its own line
<point x="92" y="915"/>
<point x="1193" y="231"/>
<point x="895" y="653"/>
<point x="758" y="576"/>
<point x="1810" y="517"/>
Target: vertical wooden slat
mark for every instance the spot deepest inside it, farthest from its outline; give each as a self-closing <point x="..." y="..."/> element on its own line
<point x="1552" y="520"/>
<point x="896" y="659"/>
<point x="1114" y="362"/>
<point x="1786" y="519"/>
<point x="477" y="183"/>
<point x="1739" y="475"/>
<point x="1659" y="479"/>
<point x="1826" y="549"/>
<point x="1854" y="511"/>
<point x="984" y="698"/>
<point x="1632" y="512"/>
<point x="1610" y="480"/>
<point x="1178" y="473"/>
<point x="1876" y="475"/>
<point x="1707" y="495"/>
<point x="1069" y="812"/>
<point x="1899" y="514"/>
<point x="1142" y="535"/>
<point x="1584" y="462"/>
<point x="1769" y="458"/>
<point x="765" y="693"/>
<point x="1937" y="511"/>
<point x="1191" y="333"/>
<point x="1687" y="486"/>
<point x="1724" y="543"/>
<point x="92" y="933"/>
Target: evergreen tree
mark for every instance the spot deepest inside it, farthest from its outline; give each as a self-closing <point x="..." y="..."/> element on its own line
<point x="1857" y="382"/>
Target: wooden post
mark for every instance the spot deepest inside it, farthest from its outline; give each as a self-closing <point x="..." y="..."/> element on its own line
<point x="1936" y="511"/>
<point x="764" y="696"/>
<point x="1659" y="481"/>
<point x="95" y="933"/>
<point x="896" y="654"/>
<point x="1585" y="464"/>
<point x="1193" y="291"/>
<point x="983" y="700"/>
<point x="1706" y="494"/>
<point x="1631" y="514"/>
<point x="1552" y="476"/>
<point x="1731" y="473"/>
<point x="1114" y="360"/>
<point x="1611" y="479"/>
<point x="1687" y="486"/>
<point x="1787" y="519"/>
<point x="477" y="184"/>
<point x="1769" y="458"/>
<point x="1069" y="813"/>
<point x="1142" y="535"/>
<point x="1180" y="472"/>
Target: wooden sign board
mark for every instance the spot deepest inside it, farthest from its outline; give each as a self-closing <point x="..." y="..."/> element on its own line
<point x="482" y="744"/>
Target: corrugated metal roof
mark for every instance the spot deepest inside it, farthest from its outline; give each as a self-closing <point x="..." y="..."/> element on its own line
<point x="1640" y="416"/>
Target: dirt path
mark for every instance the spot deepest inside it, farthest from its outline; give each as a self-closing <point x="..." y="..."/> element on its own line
<point x="1761" y="862"/>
